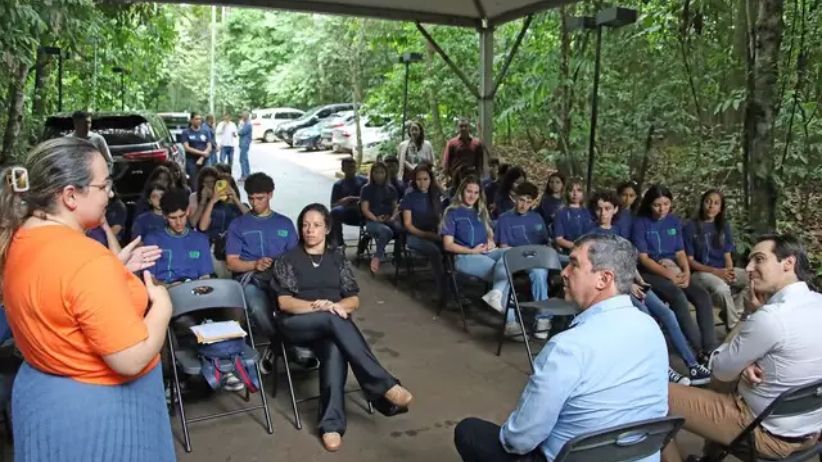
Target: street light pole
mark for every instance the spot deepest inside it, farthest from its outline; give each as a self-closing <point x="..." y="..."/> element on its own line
<point x="594" y="106"/>
<point x="407" y="59"/>
<point x="60" y="81"/>
<point x="122" y="72"/>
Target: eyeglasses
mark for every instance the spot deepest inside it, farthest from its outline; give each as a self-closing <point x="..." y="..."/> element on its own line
<point x="108" y="186"/>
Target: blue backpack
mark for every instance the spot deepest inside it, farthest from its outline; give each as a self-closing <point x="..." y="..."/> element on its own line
<point x="221" y="358"/>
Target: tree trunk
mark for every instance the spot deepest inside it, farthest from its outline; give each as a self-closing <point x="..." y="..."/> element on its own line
<point x="356" y="76"/>
<point x="738" y="78"/>
<point x="761" y="115"/>
<point x="16" y="102"/>
<point x="435" y="132"/>
<point x="41" y="77"/>
<point x="565" y="79"/>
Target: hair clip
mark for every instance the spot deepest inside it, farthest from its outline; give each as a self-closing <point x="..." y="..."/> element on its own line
<point x="18" y="179"/>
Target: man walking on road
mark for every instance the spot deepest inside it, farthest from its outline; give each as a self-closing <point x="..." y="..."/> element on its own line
<point x="226" y="133"/>
<point x="245" y="145"/>
<point x="82" y="130"/>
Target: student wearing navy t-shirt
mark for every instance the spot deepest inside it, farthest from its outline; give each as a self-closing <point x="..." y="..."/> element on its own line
<point x="495" y="171"/>
<point x="657" y="236"/>
<point x="151" y="220"/>
<point x="197" y="145"/>
<point x="503" y="201"/>
<point x="466" y="233"/>
<point x="378" y="202"/>
<point x="552" y="198"/>
<point x="110" y="232"/>
<point x="709" y="244"/>
<point x="255" y="239"/>
<point x="627" y="192"/>
<point x="393" y="166"/>
<point x="219" y="212"/>
<point x="345" y="198"/>
<point x="518" y="227"/>
<point x="571" y="221"/>
<point x="603" y="206"/>
<point x="421" y="210"/>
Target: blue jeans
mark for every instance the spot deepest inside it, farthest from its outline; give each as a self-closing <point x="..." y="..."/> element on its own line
<point x="539" y="291"/>
<point x="342" y="215"/>
<point x="245" y="169"/>
<point x="658" y="310"/>
<point x="227" y="155"/>
<point x="212" y="158"/>
<point x="488" y="267"/>
<point x="5" y="329"/>
<point x="257" y="300"/>
<point x="192" y="169"/>
<point x="382" y="233"/>
<point x="432" y="250"/>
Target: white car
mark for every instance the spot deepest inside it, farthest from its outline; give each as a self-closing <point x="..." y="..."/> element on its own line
<point x="344" y="139"/>
<point x="264" y="122"/>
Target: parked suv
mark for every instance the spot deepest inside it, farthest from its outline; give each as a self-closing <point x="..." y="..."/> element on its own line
<point x="138" y="141"/>
<point x="313" y="116"/>
<point x="265" y="121"/>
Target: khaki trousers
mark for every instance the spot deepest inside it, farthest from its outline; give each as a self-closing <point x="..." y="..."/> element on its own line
<point x="721" y="417"/>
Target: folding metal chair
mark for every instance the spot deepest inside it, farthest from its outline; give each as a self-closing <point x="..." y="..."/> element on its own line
<point x="201" y="295"/>
<point x="625" y="443"/>
<point x="451" y="273"/>
<point x="522" y="259"/>
<point x="796" y="401"/>
<point x="266" y="324"/>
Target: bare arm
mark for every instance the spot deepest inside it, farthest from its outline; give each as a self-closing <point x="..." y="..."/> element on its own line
<point x="654" y="267"/>
<point x="366" y="211"/>
<point x="234" y="264"/>
<point x="450" y="246"/>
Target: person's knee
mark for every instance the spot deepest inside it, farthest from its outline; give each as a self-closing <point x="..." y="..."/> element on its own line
<point x="463" y="431"/>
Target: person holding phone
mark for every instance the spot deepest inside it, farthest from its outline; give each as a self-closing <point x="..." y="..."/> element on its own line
<point x="90" y="331"/>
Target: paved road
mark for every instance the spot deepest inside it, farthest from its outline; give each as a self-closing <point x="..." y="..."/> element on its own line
<point x="300" y="178"/>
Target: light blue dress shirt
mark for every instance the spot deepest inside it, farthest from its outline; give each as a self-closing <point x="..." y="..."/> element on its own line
<point x="610" y="368"/>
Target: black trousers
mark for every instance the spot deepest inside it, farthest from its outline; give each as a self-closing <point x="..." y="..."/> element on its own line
<point x="338" y="343"/>
<point x="701" y="334"/>
<point x="477" y="440"/>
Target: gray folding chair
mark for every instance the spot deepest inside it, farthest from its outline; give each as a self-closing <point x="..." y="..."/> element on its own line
<point x="796" y="401"/>
<point x="625" y="443"/>
<point x="522" y="259"/>
<point x="201" y="295"/>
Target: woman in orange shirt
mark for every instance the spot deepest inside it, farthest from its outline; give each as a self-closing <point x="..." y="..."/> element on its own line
<point x="90" y="332"/>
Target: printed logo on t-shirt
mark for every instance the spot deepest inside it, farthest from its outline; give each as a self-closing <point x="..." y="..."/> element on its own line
<point x="282" y="233"/>
<point x="538" y="227"/>
<point x="672" y="232"/>
<point x="194" y="254"/>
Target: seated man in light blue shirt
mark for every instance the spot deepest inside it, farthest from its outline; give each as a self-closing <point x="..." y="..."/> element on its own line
<point x="609" y="368"/>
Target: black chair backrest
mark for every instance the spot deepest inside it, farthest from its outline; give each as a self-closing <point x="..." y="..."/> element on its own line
<point x="796" y="401"/>
<point x="528" y="257"/>
<point x="626" y="443"/>
<point x="204" y="294"/>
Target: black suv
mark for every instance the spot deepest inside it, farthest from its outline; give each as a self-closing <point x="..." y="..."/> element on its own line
<point x="311" y="117"/>
<point x="138" y="141"/>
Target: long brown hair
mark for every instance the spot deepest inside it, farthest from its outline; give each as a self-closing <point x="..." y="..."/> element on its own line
<point x="52" y="166"/>
<point x="480" y="205"/>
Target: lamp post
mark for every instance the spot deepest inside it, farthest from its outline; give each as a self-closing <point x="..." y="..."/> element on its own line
<point x="407" y="58"/>
<point x="122" y="72"/>
<point x="57" y="51"/>
<point x="614" y="17"/>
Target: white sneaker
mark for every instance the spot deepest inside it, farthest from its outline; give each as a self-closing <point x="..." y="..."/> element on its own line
<point x="676" y="377"/>
<point x="543" y="325"/>
<point x="232" y="383"/>
<point x="494" y="299"/>
<point x="514" y="332"/>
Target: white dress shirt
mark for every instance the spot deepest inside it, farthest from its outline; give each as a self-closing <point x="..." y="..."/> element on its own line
<point x="783" y="338"/>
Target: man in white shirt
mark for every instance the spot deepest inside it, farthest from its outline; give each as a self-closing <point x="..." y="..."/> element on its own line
<point x="82" y="129"/>
<point x="226" y="134"/>
<point x="777" y="347"/>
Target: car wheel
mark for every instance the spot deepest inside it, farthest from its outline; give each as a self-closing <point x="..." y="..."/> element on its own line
<point x="269" y="137"/>
<point x="335" y="148"/>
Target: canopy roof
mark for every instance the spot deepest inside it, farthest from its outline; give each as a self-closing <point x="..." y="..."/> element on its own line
<point x="464" y="13"/>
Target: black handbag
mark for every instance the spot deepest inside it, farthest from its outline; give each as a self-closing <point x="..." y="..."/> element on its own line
<point x="219" y="246"/>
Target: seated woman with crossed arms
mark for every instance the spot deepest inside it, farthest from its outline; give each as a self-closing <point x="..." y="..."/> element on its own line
<point x="316" y="294"/>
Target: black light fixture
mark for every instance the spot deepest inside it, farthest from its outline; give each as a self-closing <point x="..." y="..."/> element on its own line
<point x="407" y="58"/>
<point x="122" y="72"/>
<point x="56" y="51"/>
<point x="613" y="17"/>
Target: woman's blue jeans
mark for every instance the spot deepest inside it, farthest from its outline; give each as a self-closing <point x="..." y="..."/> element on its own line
<point x="658" y="310"/>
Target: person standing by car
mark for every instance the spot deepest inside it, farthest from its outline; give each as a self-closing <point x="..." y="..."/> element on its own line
<point x="226" y="132"/>
<point x="245" y="145"/>
<point x="82" y="130"/>
<point x="208" y="124"/>
<point x="196" y="141"/>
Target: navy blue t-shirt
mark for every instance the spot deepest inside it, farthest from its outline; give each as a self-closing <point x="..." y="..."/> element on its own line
<point x="221" y="217"/>
<point x="380" y="198"/>
<point x="185" y="256"/>
<point x="98" y="234"/>
<point x="197" y="139"/>
<point x="491" y="189"/>
<point x="399" y="186"/>
<point x="514" y="230"/>
<point x="660" y="239"/>
<point x="423" y="215"/>
<point x="548" y="207"/>
<point x="572" y="222"/>
<point x="464" y="224"/>
<point x="146" y="223"/>
<point x="699" y="243"/>
<point x="346" y="188"/>
<point x="253" y="237"/>
<point x="614" y="229"/>
<point x="503" y="203"/>
<point x="625" y="220"/>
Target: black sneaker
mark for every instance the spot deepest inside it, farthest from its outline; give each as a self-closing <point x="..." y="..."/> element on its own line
<point x="676" y="377"/>
<point x="700" y="375"/>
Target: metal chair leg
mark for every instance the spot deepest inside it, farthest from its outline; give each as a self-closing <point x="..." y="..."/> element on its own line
<point x="297" y="421"/>
<point x="179" y="394"/>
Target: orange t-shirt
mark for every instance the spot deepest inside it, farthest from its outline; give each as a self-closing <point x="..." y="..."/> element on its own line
<point x="70" y="302"/>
